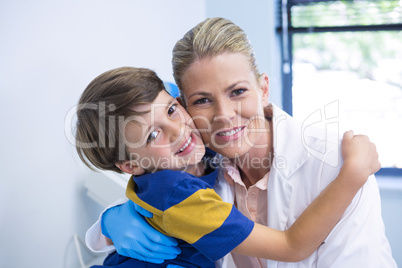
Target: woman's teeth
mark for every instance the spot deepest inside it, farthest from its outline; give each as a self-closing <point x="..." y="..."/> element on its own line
<point x="229" y="133"/>
<point x="185" y="145"/>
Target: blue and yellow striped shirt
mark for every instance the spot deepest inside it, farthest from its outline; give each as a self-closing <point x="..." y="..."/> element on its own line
<point x="187" y="208"/>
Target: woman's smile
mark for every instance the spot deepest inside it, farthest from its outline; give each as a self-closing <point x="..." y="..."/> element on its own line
<point x="230" y="134"/>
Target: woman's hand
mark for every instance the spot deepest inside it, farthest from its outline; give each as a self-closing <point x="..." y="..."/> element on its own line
<point x="133" y="237"/>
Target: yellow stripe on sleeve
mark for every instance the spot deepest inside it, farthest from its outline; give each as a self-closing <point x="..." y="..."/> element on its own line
<point x="198" y="215"/>
<point x="157" y="220"/>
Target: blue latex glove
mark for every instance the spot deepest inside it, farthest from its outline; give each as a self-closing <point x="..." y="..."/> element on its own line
<point x="143" y="211"/>
<point x="133" y="237"/>
<point x="148" y="214"/>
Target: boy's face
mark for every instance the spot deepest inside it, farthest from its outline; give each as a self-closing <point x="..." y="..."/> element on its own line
<point x="163" y="138"/>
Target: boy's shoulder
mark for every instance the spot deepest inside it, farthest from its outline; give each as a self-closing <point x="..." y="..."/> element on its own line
<point x="169" y="180"/>
<point x="170" y="185"/>
<point x="161" y="189"/>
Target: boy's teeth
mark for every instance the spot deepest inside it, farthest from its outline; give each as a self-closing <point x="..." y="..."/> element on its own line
<point x="229" y="133"/>
<point x="185" y="145"/>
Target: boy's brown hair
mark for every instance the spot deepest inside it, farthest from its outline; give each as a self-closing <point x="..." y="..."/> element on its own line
<point x="105" y="103"/>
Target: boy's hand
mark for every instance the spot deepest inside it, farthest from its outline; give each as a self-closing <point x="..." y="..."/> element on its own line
<point x="134" y="237"/>
<point x="360" y="156"/>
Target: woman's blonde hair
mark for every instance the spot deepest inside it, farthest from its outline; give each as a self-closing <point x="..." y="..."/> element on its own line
<point x="209" y="38"/>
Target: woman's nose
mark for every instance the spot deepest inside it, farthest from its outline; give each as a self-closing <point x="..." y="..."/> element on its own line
<point x="224" y="111"/>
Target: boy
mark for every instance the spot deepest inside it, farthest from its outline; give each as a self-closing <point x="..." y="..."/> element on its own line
<point x="140" y="129"/>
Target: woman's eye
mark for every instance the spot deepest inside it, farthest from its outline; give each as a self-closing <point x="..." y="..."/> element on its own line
<point x="201" y="101"/>
<point x="237" y="92"/>
<point x="152" y="136"/>
<point x="172" y="109"/>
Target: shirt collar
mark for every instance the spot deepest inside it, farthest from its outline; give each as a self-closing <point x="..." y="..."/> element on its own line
<point x="232" y="176"/>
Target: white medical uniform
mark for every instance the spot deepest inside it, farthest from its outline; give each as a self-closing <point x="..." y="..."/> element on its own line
<point x="304" y="163"/>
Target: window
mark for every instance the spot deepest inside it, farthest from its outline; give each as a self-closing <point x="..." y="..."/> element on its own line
<point x="347" y="55"/>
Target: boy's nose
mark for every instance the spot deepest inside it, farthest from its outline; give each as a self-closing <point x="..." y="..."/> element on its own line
<point x="176" y="132"/>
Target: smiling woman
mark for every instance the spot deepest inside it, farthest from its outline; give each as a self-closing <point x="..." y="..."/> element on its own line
<point x="225" y="100"/>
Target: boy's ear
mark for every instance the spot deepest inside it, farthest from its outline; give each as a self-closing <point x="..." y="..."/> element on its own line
<point x="264" y="84"/>
<point x="130" y="167"/>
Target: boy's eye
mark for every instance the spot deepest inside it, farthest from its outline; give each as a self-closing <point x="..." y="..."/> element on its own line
<point x="237" y="92"/>
<point x="201" y="101"/>
<point x="152" y="136"/>
<point x="172" y="109"/>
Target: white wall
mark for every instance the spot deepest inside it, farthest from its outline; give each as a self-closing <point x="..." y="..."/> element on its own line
<point x="49" y="51"/>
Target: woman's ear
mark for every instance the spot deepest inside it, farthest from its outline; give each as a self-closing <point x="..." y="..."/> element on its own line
<point x="130" y="167"/>
<point x="264" y="84"/>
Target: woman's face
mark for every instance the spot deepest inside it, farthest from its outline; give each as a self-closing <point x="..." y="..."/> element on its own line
<point x="226" y="102"/>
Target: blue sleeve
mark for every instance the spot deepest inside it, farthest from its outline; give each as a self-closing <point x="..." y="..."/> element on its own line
<point x="234" y="230"/>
